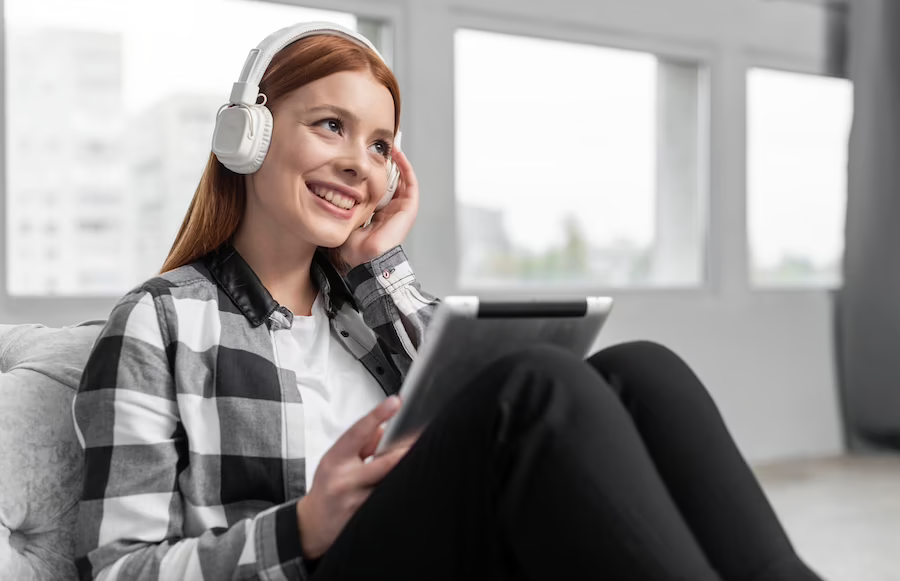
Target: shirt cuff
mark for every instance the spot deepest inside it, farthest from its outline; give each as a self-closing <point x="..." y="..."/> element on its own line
<point x="278" y="547"/>
<point x="380" y="277"/>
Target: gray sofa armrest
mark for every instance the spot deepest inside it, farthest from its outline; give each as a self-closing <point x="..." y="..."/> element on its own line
<point x="41" y="458"/>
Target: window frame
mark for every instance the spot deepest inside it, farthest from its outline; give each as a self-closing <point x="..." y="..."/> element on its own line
<point x="700" y="54"/>
<point x="781" y="34"/>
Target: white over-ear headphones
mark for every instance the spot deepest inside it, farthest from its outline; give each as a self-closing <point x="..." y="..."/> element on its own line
<point x="244" y="125"/>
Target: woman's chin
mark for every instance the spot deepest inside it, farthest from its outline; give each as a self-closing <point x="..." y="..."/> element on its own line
<point x="331" y="239"/>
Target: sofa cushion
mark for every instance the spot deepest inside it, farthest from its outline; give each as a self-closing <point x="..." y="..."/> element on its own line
<point x="40" y="456"/>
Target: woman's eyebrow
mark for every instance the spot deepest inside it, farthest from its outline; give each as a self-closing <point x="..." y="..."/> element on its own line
<point x="385" y="134"/>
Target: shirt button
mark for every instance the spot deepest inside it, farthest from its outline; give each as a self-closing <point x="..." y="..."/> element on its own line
<point x="379" y="370"/>
<point x="345" y="334"/>
<point x="386" y="274"/>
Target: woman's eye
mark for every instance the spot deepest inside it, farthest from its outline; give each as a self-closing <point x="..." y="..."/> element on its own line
<point x="382" y="148"/>
<point x="333" y="125"/>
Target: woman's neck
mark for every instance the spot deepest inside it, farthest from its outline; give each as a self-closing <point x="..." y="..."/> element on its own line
<point x="283" y="267"/>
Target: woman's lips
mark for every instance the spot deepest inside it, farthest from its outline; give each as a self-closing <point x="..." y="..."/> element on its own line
<point x="331" y="208"/>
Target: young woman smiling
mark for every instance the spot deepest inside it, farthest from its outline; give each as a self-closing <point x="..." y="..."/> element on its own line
<point x="231" y="406"/>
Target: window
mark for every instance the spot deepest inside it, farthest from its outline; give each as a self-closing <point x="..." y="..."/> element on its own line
<point x="798" y="128"/>
<point x="93" y="99"/>
<point x="576" y="165"/>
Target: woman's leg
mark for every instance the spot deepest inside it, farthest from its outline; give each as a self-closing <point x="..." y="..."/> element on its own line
<point x="535" y="472"/>
<point x="716" y="491"/>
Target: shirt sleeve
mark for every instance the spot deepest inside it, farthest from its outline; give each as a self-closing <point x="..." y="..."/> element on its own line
<point x="131" y="515"/>
<point x="392" y="302"/>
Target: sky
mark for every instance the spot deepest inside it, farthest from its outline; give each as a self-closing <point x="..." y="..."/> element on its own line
<point x="548" y="128"/>
<point x="798" y="129"/>
<point x="544" y="128"/>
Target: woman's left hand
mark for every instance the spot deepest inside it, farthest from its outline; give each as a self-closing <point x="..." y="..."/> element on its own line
<point x="391" y="224"/>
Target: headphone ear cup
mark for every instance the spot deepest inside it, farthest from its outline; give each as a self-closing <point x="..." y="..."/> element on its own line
<point x="393" y="181"/>
<point x="266" y="125"/>
<point x="242" y="136"/>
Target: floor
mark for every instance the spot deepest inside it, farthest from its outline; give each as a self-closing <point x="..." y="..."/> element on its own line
<point x="842" y="514"/>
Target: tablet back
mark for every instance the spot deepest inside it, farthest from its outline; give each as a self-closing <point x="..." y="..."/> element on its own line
<point x="467" y="335"/>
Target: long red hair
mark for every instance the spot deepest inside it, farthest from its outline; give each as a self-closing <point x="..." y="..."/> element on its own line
<point x="219" y="201"/>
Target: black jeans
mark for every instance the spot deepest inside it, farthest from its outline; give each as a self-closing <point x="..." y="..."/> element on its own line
<point x="550" y="467"/>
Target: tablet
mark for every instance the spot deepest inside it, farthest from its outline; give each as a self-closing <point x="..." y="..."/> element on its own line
<point x="467" y="334"/>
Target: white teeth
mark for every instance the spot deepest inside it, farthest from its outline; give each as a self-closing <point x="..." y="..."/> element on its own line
<point x="338" y="199"/>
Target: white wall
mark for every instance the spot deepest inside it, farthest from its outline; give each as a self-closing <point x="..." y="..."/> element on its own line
<point x="765" y="356"/>
<point x="766" y="359"/>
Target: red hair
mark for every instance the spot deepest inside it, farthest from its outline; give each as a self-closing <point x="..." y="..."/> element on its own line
<point x="219" y="201"/>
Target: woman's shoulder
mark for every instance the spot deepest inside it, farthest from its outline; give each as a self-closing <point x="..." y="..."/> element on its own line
<point x="164" y="299"/>
<point x="189" y="282"/>
<point x="190" y="277"/>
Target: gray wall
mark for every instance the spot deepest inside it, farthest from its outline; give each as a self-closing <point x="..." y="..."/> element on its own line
<point x="766" y="356"/>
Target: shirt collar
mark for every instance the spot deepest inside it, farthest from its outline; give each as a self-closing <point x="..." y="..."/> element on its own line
<point x="238" y="281"/>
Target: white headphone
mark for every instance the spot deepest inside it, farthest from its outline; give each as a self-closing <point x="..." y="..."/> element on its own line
<point x="244" y="126"/>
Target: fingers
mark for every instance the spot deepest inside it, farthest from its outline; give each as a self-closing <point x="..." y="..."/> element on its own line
<point x="360" y="434"/>
<point x="370" y="448"/>
<point x="372" y="473"/>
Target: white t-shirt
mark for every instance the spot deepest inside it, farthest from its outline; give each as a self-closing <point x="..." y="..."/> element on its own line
<point x="335" y="387"/>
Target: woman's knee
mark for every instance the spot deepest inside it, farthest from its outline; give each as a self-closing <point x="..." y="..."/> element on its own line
<point x="647" y="369"/>
<point x="635" y="351"/>
<point x="543" y="361"/>
<point x="534" y="378"/>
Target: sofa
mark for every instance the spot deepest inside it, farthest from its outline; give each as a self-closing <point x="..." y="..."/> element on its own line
<point x="40" y="456"/>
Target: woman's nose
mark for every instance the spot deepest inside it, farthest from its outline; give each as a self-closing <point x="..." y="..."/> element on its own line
<point x="355" y="162"/>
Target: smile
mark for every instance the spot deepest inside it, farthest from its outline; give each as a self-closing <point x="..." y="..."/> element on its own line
<point x="335" y="198"/>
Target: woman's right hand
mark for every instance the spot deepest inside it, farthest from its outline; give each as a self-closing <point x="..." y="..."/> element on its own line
<point x="344" y="479"/>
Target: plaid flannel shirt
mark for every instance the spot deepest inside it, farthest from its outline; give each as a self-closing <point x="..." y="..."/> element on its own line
<point x="193" y="431"/>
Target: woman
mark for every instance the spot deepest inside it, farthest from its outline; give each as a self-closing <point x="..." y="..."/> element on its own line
<point x="231" y="406"/>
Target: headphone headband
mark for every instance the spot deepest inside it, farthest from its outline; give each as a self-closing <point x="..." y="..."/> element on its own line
<point x="244" y="127"/>
<point x="246" y="90"/>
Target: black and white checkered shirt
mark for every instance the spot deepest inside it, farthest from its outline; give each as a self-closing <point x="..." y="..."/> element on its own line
<point x="193" y="430"/>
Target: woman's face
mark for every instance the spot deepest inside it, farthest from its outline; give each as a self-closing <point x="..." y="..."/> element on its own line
<point x="326" y="168"/>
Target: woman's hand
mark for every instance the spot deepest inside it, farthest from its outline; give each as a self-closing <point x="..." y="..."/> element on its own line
<point x="344" y="480"/>
<point x="391" y="224"/>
